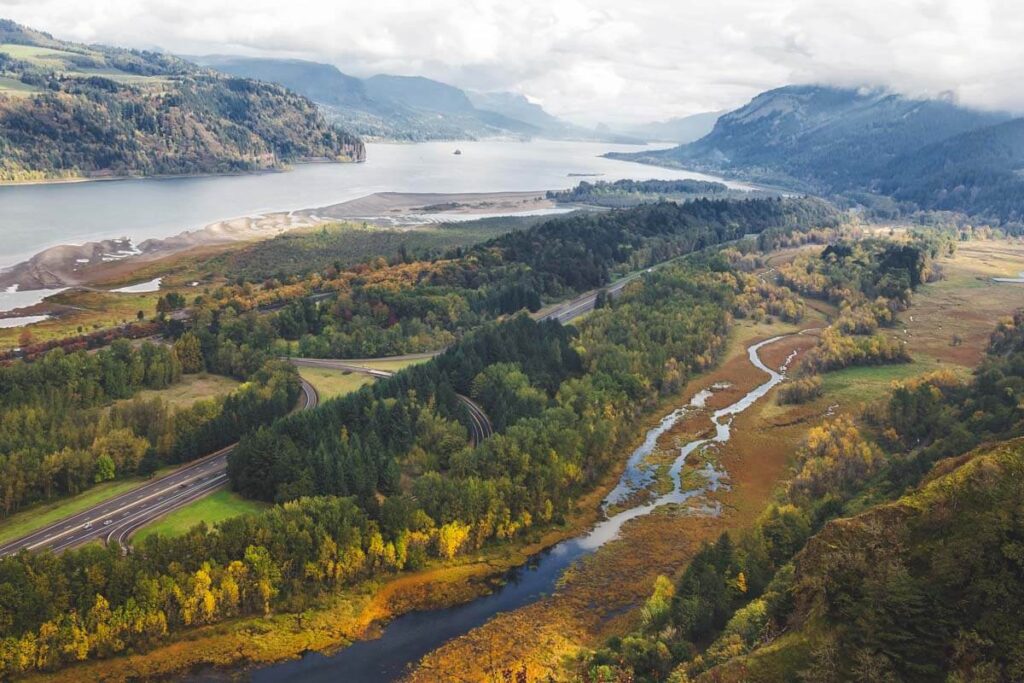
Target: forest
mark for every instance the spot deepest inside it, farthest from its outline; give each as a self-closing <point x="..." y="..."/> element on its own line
<point x="55" y="449"/>
<point x="69" y="420"/>
<point x="384" y="479"/>
<point x="380" y="309"/>
<point x="622" y="193"/>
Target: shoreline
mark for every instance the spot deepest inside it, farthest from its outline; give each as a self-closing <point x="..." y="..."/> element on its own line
<point x="285" y="168"/>
<point x="94" y="263"/>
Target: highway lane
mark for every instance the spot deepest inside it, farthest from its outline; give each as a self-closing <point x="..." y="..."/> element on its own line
<point x="574" y="308"/>
<point x="135" y="508"/>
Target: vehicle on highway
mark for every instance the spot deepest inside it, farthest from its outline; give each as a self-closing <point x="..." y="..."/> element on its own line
<point x="108" y="522"/>
<point x="87" y="525"/>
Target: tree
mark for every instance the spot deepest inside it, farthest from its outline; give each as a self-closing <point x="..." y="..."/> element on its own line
<point x="105" y="469"/>
<point x="189" y="352"/>
<point x="123" y="448"/>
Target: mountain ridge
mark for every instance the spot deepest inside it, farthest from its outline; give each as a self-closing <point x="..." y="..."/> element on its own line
<point x="859" y="143"/>
<point x="69" y="110"/>
<point x="407" y="107"/>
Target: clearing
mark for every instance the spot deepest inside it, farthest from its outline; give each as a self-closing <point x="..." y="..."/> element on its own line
<point x="212" y="509"/>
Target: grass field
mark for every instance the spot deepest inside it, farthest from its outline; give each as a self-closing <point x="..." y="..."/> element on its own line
<point x="15" y="88"/>
<point x="190" y="389"/>
<point x="330" y="383"/>
<point x="392" y="365"/>
<point x="212" y="509"/>
<point x="852" y="386"/>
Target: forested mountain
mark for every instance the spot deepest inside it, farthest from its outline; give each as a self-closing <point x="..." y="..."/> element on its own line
<point x="822" y="137"/>
<point x="403" y="107"/>
<point x="931" y="153"/>
<point x="69" y="110"/>
<point x="977" y="172"/>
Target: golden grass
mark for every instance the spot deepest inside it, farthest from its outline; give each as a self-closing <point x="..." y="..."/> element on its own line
<point x="190" y="389"/>
<point x="330" y="383"/>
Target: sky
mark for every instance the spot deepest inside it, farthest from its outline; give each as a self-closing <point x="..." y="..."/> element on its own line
<point x="593" y="61"/>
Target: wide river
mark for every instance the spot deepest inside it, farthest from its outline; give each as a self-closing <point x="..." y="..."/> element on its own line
<point x="34" y="217"/>
<point x="411" y="636"/>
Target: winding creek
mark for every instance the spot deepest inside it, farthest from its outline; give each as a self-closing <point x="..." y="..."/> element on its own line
<point x="407" y="638"/>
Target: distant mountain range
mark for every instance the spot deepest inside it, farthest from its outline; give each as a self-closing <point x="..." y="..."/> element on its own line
<point x="70" y="111"/>
<point x="407" y="107"/>
<point x="682" y="129"/>
<point x="924" y="153"/>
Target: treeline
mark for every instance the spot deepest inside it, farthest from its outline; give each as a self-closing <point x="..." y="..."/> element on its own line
<point x="414" y="489"/>
<point x="408" y="306"/>
<point x="59" y="433"/>
<point x="622" y="193"/>
<point x="903" y="591"/>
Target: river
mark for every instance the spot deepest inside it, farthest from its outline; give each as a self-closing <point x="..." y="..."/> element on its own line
<point x="34" y="217"/>
<point x="406" y="639"/>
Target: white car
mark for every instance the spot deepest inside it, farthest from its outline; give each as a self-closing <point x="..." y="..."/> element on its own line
<point x="87" y="526"/>
<point x="108" y="522"/>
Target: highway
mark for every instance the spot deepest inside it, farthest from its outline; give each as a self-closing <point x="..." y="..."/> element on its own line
<point x="584" y="303"/>
<point x="116" y="519"/>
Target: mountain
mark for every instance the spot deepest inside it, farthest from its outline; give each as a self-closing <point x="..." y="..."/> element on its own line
<point x="406" y="107"/>
<point x="419" y="93"/>
<point x="980" y="172"/>
<point x="680" y="130"/>
<point x="70" y="110"/>
<point x="321" y="83"/>
<point x="821" y="138"/>
<point x="516" y="106"/>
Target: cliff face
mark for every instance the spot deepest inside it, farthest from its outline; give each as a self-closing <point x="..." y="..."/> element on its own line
<point x="68" y="110"/>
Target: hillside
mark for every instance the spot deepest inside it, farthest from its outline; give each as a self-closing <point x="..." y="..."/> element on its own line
<point x="915" y="590"/>
<point x="821" y="137"/>
<point x="978" y="172"/>
<point x="69" y="110"/>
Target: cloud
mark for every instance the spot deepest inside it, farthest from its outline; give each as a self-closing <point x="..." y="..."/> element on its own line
<point x="599" y="60"/>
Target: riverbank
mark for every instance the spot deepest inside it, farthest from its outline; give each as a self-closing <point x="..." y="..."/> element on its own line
<point x="97" y="264"/>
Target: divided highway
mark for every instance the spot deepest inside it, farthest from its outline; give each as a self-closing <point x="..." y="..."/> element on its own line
<point x="116" y="519"/>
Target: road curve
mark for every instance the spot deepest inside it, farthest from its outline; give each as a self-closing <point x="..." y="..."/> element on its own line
<point x="116" y="519"/>
<point x="480" y="426"/>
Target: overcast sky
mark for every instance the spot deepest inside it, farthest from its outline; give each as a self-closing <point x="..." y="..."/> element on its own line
<point x="596" y="60"/>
